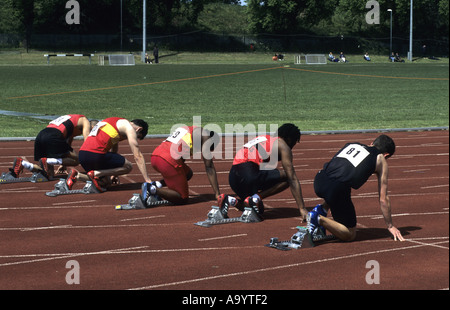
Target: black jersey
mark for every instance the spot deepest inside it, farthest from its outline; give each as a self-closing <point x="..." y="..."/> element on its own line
<point x="353" y="164"/>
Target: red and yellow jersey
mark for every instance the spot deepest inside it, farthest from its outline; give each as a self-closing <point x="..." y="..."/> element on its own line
<point x="177" y="147"/>
<point x="257" y="150"/>
<point x="68" y="125"/>
<point x="103" y="136"/>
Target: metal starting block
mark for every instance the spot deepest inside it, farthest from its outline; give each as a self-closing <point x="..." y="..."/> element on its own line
<point x="37" y="177"/>
<point x="300" y="240"/>
<point x="136" y="203"/>
<point x="62" y="189"/>
<point x="215" y="217"/>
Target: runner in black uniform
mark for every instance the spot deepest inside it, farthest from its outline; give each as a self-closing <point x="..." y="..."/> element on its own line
<point x="350" y="168"/>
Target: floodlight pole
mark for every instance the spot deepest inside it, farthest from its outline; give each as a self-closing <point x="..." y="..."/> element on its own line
<point x="390" y="37"/>
<point x="121" y="26"/>
<point x="144" y="30"/>
<point x="410" y="53"/>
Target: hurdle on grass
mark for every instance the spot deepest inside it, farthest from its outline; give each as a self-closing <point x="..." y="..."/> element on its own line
<point x="64" y="55"/>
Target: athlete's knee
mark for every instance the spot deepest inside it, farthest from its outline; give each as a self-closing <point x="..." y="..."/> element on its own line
<point x="189" y="174"/>
<point x="350" y="236"/>
<point x="128" y="166"/>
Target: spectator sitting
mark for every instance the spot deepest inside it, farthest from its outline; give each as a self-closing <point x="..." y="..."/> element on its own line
<point x="398" y="58"/>
<point x="280" y="57"/>
<point x="332" y="58"/>
<point x="342" y="57"/>
<point x="367" y="57"/>
<point x="275" y="57"/>
<point x="392" y="57"/>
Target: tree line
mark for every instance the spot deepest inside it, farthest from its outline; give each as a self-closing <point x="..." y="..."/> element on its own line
<point x="280" y="17"/>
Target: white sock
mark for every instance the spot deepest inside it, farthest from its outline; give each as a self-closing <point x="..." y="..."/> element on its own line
<point x="27" y="165"/>
<point x="54" y="161"/>
<point x="158" y="184"/>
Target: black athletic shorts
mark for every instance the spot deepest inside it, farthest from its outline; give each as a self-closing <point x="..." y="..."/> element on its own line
<point x="50" y="143"/>
<point x="338" y="196"/>
<point x="95" y="161"/>
<point x="246" y="179"/>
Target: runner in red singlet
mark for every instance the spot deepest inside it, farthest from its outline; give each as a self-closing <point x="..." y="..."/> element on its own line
<point x="169" y="160"/>
<point x="99" y="152"/>
<point x="53" y="145"/>
<point x="254" y="174"/>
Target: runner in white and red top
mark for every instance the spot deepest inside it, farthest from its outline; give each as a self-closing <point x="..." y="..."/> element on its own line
<point x="99" y="153"/>
<point x="169" y="160"/>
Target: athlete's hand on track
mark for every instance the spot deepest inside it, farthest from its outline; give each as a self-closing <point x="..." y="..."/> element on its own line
<point x="303" y="215"/>
<point x="396" y="233"/>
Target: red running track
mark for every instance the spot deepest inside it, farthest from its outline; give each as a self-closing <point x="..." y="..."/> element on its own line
<point x="162" y="249"/>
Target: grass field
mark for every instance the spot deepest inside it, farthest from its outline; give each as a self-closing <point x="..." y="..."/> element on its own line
<point x="355" y="95"/>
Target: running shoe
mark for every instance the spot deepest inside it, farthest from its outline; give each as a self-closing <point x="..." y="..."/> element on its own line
<point x="313" y="221"/>
<point x="17" y="167"/>
<point x="95" y="180"/>
<point x="145" y="188"/>
<point x="71" y="178"/>
<point x="223" y="204"/>
<point x="44" y="166"/>
<point x="254" y="203"/>
<point x="319" y="209"/>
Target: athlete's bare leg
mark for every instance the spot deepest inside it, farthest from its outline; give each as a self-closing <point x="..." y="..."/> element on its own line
<point x="337" y="229"/>
<point x="171" y="195"/>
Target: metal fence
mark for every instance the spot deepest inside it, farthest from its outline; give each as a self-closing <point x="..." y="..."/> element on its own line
<point x="222" y="42"/>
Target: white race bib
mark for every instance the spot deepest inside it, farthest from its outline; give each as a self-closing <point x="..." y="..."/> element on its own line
<point x="255" y="141"/>
<point x="60" y="120"/>
<point x="96" y="128"/>
<point x="177" y="135"/>
<point x="354" y="153"/>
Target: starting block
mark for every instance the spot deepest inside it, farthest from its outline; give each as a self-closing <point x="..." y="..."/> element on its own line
<point x="215" y="217"/>
<point x="37" y="177"/>
<point x="300" y="240"/>
<point x="137" y="203"/>
<point x="62" y="189"/>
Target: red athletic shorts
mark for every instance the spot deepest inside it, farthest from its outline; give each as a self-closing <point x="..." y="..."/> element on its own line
<point x="175" y="177"/>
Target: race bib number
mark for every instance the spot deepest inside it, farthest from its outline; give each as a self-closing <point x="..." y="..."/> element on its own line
<point x="354" y="153"/>
<point x="254" y="142"/>
<point x="96" y="128"/>
<point x="181" y="134"/>
<point x="60" y="120"/>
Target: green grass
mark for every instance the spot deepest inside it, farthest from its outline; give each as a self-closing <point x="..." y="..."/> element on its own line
<point x="255" y="91"/>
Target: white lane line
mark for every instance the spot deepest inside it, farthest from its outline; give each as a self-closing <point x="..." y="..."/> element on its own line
<point x="234" y="274"/>
<point x="142" y="218"/>
<point x="223" y="237"/>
